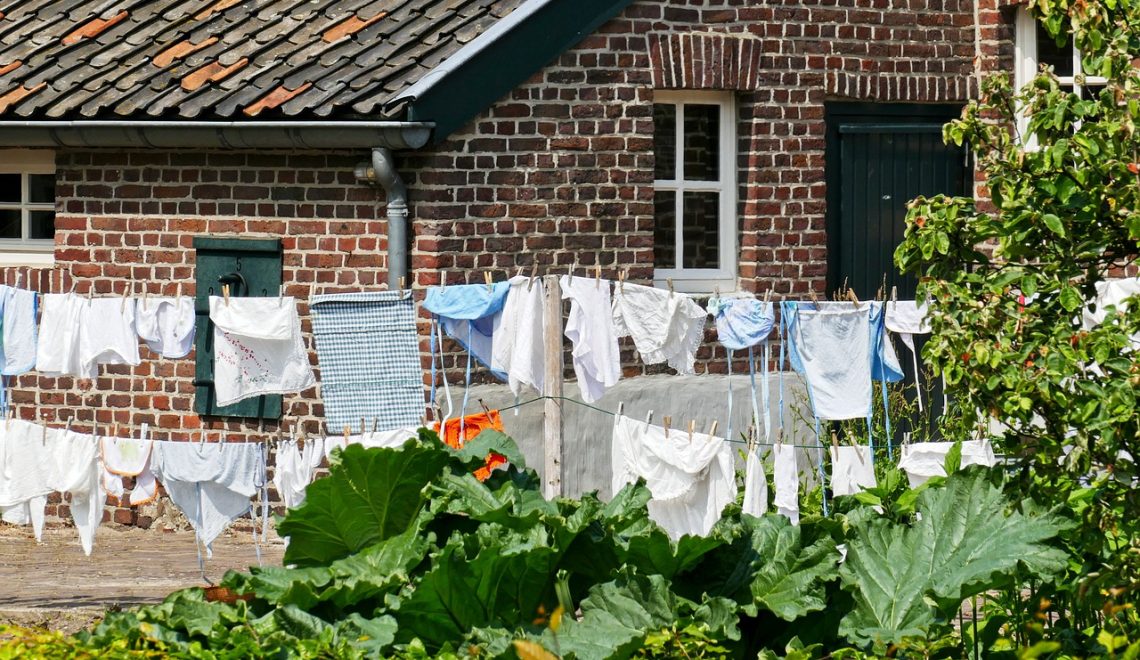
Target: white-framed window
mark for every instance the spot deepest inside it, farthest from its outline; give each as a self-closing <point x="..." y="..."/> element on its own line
<point x="27" y="207"/>
<point x="1033" y="48"/>
<point x="694" y="191"/>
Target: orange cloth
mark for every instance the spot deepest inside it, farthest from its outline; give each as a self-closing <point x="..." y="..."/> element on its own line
<point x="473" y="425"/>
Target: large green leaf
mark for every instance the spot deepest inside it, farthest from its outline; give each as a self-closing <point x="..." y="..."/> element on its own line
<point x="617" y="615"/>
<point x="371" y="495"/>
<point x="903" y="578"/>
<point x="788" y="578"/>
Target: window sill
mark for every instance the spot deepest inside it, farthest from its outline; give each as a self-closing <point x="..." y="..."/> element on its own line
<point x="26" y="257"/>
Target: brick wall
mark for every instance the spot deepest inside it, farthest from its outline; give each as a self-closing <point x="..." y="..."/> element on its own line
<point x="559" y="170"/>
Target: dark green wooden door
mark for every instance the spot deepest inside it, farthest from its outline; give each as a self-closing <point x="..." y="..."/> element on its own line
<point x="879" y="158"/>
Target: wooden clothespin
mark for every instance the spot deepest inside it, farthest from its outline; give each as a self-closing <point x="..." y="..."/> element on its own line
<point x="649" y="417"/>
<point x="814" y="297"/>
<point x="487" y="279"/>
<point x="8" y="419"/>
<point x="894" y="294"/>
<point x="597" y="276"/>
<point x="347" y="432"/>
<point x="443" y="279"/>
<point x="486" y="410"/>
<point x="668" y="422"/>
<point x="621" y="279"/>
<point x="853" y="298"/>
<point x="533" y="274"/>
<point x="712" y="429"/>
<point x="768" y="296"/>
<point x="178" y="298"/>
<point x="67" y="426"/>
<point x="692" y="429"/>
<point x="621" y="407"/>
<point x="144" y="295"/>
<point x="74" y="283"/>
<point x="835" y="443"/>
<point x="519" y="272"/>
<point x="90" y="291"/>
<point x="281" y="295"/>
<point x="363" y="428"/>
<point x="226" y="294"/>
<point x="400" y="284"/>
<point x="375" y="423"/>
<point x="669" y="281"/>
<point x="126" y="292"/>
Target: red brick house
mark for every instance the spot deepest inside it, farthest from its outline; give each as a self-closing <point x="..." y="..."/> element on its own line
<point x="722" y="144"/>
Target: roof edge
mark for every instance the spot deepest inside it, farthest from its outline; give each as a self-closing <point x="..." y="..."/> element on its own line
<point x="500" y="59"/>
<point x="216" y="134"/>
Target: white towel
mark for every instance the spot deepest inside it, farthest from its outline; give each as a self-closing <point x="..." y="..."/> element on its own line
<point x="58" y="349"/>
<point x="666" y="327"/>
<point x="590" y="328"/>
<point x="834" y="345"/>
<point x="19" y="337"/>
<point x="107" y="333"/>
<point x="787" y="482"/>
<point x="691" y="478"/>
<point x="392" y="439"/>
<point x="295" y="469"/>
<point x="258" y="348"/>
<point x="923" y="460"/>
<point x="851" y="470"/>
<point x="517" y="345"/>
<point x="755" y="486"/>
<point x="167" y="325"/>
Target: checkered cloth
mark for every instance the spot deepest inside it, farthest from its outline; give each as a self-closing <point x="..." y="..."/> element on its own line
<point x="369" y="358"/>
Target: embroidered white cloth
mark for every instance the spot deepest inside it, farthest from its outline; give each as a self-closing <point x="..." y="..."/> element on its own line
<point x="517" y="346"/>
<point x="786" y="475"/>
<point x="211" y="483"/>
<point x="107" y="333"/>
<point x="58" y="349"/>
<point x="391" y="439"/>
<point x="128" y="457"/>
<point x="755" y="485"/>
<point x="295" y="469"/>
<point x="19" y="336"/>
<point x="590" y="328"/>
<point x="258" y="348"/>
<point x="923" y="460"/>
<point x="167" y="325"/>
<point x="691" y="480"/>
<point x="37" y="461"/>
<point x="666" y="327"/>
<point x="851" y="470"/>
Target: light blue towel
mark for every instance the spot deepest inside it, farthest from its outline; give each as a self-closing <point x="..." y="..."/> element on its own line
<point x="467" y="313"/>
<point x="741" y="322"/>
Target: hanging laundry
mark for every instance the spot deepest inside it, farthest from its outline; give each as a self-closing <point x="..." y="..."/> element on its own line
<point x="691" y="479"/>
<point x="755" y="485"/>
<point x="906" y="318"/>
<point x="923" y="460"/>
<point x="369" y="357"/>
<point x="167" y="325"/>
<point x="129" y="457"/>
<point x="787" y="481"/>
<point x="590" y="328"/>
<point x="58" y="348"/>
<point x="36" y="461"/>
<point x="1114" y="293"/>
<point x="258" y="348"/>
<point x="665" y="326"/>
<point x="211" y="483"/>
<point x="831" y="348"/>
<point x="741" y="322"/>
<point x="468" y="314"/>
<point x="19" y="330"/>
<point x="852" y="470"/>
<point x="295" y="469"/>
<point x="517" y="345"/>
<point x="107" y="333"/>
<point x="390" y="439"/>
<point x="458" y="432"/>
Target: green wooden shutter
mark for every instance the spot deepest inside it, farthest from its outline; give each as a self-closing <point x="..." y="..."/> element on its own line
<point x="258" y="262"/>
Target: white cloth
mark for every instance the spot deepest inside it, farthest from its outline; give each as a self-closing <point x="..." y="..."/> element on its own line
<point x="666" y="327"/>
<point x="834" y="345"/>
<point x="851" y="470"/>
<point x="58" y="349"/>
<point x="295" y="469"/>
<point x="907" y="318"/>
<point x="517" y="346"/>
<point x="107" y="333"/>
<point x="1117" y="294"/>
<point x="786" y="475"/>
<point x="392" y="439"/>
<point x="167" y="325"/>
<point x="211" y="483"/>
<point x="19" y="338"/>
<point x="755" y="486"/>
<point x="691" y="479"/>
<point x="128" y="457"/>
<point x="38" y="461"/>
<point x="258" y="348"/>
<point x="923" y="460"/>
<point x="590" y="328"/>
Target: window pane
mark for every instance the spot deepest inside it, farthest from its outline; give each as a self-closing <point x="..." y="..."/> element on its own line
<point x="41" y="188"/>
<point x="1058" y="57"/>
<point x="42" y="224"/>
<point x="664" y="141"/>
<point x="665" y="229"/>
<point x="1090" y="92"/>
<point x="10" y="188"/>
<point x="10" y="223"/>
<point x="701" y="230"/>
<point x="702" y="142"/>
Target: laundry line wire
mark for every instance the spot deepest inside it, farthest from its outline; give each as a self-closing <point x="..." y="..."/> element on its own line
<point x="611" y="414"/>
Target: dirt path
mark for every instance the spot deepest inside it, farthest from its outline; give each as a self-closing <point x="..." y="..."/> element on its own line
<point x="54" y="585"/>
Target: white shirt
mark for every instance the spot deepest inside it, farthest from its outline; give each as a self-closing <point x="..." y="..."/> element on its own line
<point x="665" y="326"/>
<point x="107" y="333"/>
<point x="517" y="346"/>
<point x="590" y="328"/>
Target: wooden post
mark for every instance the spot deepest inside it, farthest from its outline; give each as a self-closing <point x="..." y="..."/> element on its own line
<point x="552" y="379"/>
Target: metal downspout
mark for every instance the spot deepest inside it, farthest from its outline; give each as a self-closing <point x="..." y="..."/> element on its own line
<point x="383" y="173"/>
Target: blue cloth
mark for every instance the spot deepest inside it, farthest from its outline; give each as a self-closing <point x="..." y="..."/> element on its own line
<point x="885" y="365"/>
<point x="369" y="356"/>
<point x="741" y="322"/>
<point x="467" y="313"/>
